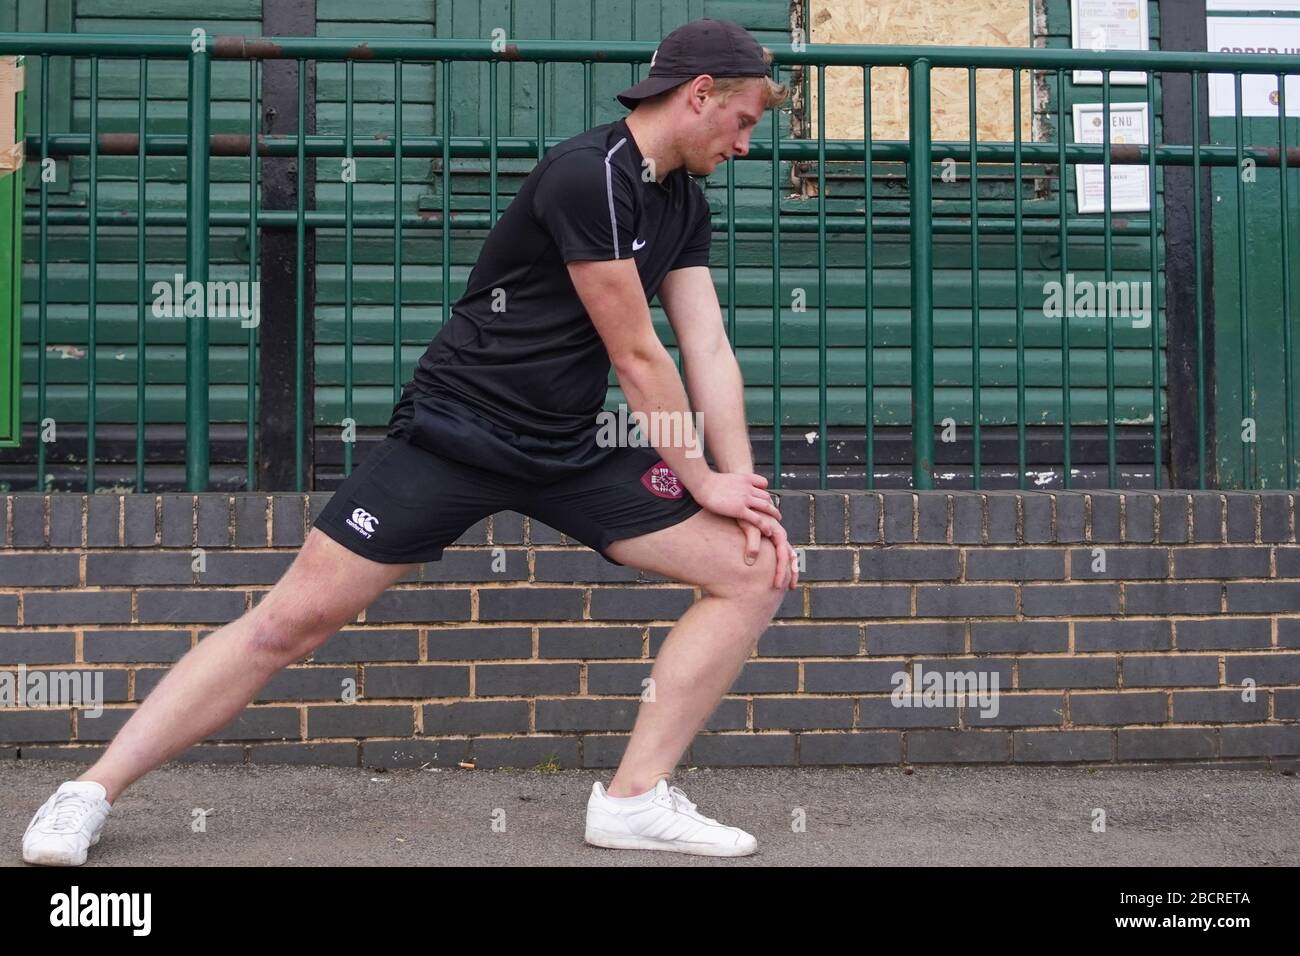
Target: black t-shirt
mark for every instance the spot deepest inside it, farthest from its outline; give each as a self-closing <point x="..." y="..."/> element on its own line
<point x="514" y="380"/>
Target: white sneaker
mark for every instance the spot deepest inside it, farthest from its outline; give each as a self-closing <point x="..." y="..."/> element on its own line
<point x="666" y="821"/>
<point x="67" y="825"/>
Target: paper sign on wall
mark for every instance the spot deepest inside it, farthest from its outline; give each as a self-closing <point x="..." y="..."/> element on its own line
<point x="1270" y="36"/>
<point x="1130" y="186"/>
<point x="1109" y="25"/>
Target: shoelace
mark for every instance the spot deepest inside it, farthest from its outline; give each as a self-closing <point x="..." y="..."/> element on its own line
<point x="68" y="812"/>
<point x="683" y="803"/>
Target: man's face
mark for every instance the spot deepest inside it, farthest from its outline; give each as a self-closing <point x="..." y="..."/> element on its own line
<point x="722" y="130"/>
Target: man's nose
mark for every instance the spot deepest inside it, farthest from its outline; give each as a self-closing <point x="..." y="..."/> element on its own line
<point x="742" y="145"/>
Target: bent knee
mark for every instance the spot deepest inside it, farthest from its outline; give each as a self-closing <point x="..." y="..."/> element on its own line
<point x="283" y="633"/>
<point x="753" y="583"/>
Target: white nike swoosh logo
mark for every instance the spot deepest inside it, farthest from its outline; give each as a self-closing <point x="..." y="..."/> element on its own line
<point x="637" y="244"/>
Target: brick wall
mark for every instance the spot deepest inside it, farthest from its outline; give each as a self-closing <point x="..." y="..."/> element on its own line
<point x="1144" y="660"/>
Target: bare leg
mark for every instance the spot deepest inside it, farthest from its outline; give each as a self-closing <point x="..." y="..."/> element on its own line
<point x="708" y="646"/>
<point x="326" y="587"/>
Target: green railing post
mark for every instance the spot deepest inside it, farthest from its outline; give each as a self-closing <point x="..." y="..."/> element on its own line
<point x="921" y="216"/>
<point x="196" y="269"/>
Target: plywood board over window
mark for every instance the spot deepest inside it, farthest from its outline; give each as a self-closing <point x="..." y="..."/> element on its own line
<point x="1002" y="23"/>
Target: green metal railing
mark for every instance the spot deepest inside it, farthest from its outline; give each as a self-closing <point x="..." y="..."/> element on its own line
<point x="922" y="224"/>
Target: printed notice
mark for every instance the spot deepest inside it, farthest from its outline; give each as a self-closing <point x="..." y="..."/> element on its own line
<point x="1101" y="25"/>
<point x="1130" y="185"/>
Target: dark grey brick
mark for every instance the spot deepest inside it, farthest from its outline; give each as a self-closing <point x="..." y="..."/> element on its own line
<point x="1241" y="516"/>
<point x="416" y="680"/>
<point x="1174" y="515"/>
<point x="1274" y="516"/>
<point x="864" y="518"/>
<point x="1015" y="564"/>
<point x="422" y="604"/>
<point x="250" y="520"/>
<point x="958" y="746"/>
<point x="570" y="565"/>
<point x="177" y="521"/>
<point x="1061" y="746"/>
<point x="23" y="726"/>
<point x="832" y="677"/>
<point x="80" y="753"/>
<point x="1122" y="636"/>
<point x="1068" y="672"/>
<point x="316" y="502"/>
<point x="1017" y="710"/>
<point x="481" y="565"/>
<point x="37" y="647"/>
<point x="45" y="570"/>
<point x="945" y="637"/>
<point x="1172" y="598"/>
<point x="1226" y="633"/>
<point x="191" y="607"/>
<point x="1286" y="704"/>
<point x="743" y="750"/>
<point x="1271" y="596"/>
<point x="1121" y="563"/>
<point x="730" y="714"/>
<point x="309" y="683"/>
<point x="394" y="754"/>
<point x="531" y="604"/>
<point x="479" y="643"/>
<point x="1061" y="600"/>
<point x="1260" y="741"/>
<point x="242" y="567"/>
<point x="1170" y="743"/>
<point x="102" y="520"/>
<point x="827" y="564"/>
<point x="967" y="517"/>
<point x="885" y="712"/>
<point x="373" y="644"/>
<point x="134" y="646"/>
<point x="474" y="534"/>
<point x="213" y="522"/>
<point x="806" y="713"/>
<point x="1288" y="633"/>
<point x="1288" y="563"/>
<point x="525" y="752"/>
<point x="971" y="668"/>
<point x="832" y="749"/>
<point x="796" y="515"/>
<point x="961" y="600"/>
<point x="104" y="684"/>
<point x="306" y="755"/>
<point x="932" y="517"/>
<point x="866" y="601"/>
<point x="1218" y="706"/>
<point x="29" y="520"/>
<point x="809" y="640"/>
<point x="119" y="567"/>
<point x="140" y="523"/>
<point x="288" y="519"/>
<point x="541" y="533"/>
<point x="830" y="512"/>
<point x="9" y="609"/>
<point x="66" y="521"/>
<point x="603" y="750"/>
<point x="506" y="680"/>
<point x="586" y="714"/>
<point x="589" y="642"/>
<point x="361" y="720"/>
<point x="507" y="528"/>
<point x="767" y="677"/>
<point x="1049" y="637"/>
<point x="1105" y="516"/>
<point x="618" y="678"/>
<point x="1139" y="516"/>
<point x="1003" y="517"/>
<point x="1207" y="516"/>
<point x="632" y="604"/>
<point x="1127" y="708"/>
<point x="477" y="717"/>
<point x="1069" y="516"/>
<point x="1037" y="522"/>
<point x="261" y="723"/>
<point x="909" y="564"/>
<point x="1171" y="671"/>
<point x="1239" y="562"/>
<point x="898" y="507"/>
<point x="77" y="607"/>
<point x="1269" y="669"/>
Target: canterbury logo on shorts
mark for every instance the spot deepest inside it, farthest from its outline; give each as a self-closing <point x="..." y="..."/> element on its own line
<point x="363" y="522"/>
<point x="661" y="481"/>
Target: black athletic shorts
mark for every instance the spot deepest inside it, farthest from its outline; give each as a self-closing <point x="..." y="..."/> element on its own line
<point x="404" y="504"/>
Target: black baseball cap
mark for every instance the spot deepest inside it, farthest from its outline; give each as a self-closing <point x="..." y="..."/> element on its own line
<point x="715" y="47"/>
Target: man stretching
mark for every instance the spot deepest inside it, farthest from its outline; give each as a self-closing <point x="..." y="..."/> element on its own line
<point x="503" y="414"/>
